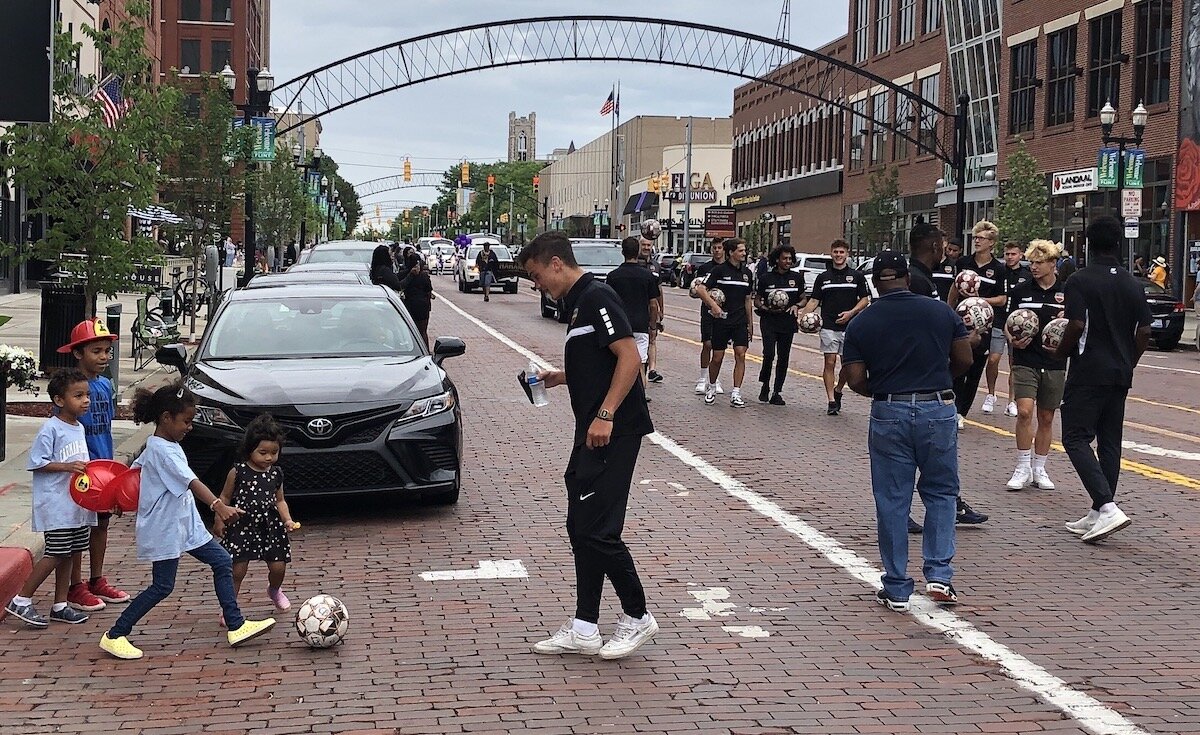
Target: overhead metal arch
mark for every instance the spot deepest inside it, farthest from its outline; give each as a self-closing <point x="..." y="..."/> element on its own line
<point x="392" y="183"/>
<point x="608" y="38"/>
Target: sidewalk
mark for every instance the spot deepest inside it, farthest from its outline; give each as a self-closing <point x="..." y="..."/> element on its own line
<point x="20" y="546"/>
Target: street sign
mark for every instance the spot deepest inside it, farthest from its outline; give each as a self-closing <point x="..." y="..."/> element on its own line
<point x="1131" y="203"/>
<point x="720" y="222"/>
<point x="1133" y="228"/>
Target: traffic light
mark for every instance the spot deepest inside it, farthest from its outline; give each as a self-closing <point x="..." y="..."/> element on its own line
<point x="491" y="184"/>
<point x="654" y="187"/>
<point x="504" y="217"/>
<point x="465" y="174"/>
<point x="407" y="170"/>
<point x="537" y="180"/>
<point x="664" y="181"/>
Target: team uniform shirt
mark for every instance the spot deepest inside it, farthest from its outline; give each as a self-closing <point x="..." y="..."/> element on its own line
<point x="97" y="422"/>
<point x="943" y="277"/>
<point x="838" y="290"/>
<point x="168" y="524"/>
<point x="702" y="272"/>
<point x="1010" y="279"/>
<point x="791" y="283"/>
<point x="53" y="508"/>
<point x="597" y="320"/>
<point x="1047" y="303"/>
<point x="1112" y="306"/>
<point x="736" y="283"/>
<point x="921" y="280"/>
<point x="637" y="287"/>
<point x="990" y="274"/>
<point x="904" y="339"/>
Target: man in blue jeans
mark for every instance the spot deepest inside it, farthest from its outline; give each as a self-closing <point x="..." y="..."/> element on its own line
<point x="904" y="353"/>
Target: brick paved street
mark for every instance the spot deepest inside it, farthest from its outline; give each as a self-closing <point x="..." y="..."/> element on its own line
<point x="761" y="632"/>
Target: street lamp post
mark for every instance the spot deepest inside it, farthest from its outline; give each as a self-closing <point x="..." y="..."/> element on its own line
<point x="1108" y="117"/>
<point x="306" y="168"/>
<point x="259" y="85"/>
<point x="331" y="200"/>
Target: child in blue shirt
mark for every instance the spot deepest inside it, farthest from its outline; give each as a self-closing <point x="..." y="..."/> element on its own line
<point x="168" y="524"/>
<point x="59" y="450"/>
<point x="92" y="346"/>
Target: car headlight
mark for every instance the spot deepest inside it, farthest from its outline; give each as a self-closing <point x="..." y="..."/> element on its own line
<point x="213" y="416"/>
<point x="429" y="406"/>
<point x="473" y="269"/>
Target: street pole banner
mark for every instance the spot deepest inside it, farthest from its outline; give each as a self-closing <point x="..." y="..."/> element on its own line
<point x="264" y="137"/>
<point x="1135" y="164"/>
<point x="1106" y="168"/>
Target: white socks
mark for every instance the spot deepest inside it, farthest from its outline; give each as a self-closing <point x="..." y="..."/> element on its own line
<point x="583" y="627"/>
<point x="703" y="375"/>
<point x="1039" y="461"/>
<point x="21" y="601"/>
<point x="1108" y="508"/>
<point x="1023" y="457"/>
<point x="58" y="607"/>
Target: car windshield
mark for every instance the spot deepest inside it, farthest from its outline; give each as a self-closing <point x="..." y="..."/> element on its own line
<point x="309" y="326"/>
<point x="340" y="255"/>
<point x="500" y="251"/>
<point x="1153" y="289"/>
<point x="817" y="263"/>
<point x="699" y="258"/>
<point x="587" y="255"/>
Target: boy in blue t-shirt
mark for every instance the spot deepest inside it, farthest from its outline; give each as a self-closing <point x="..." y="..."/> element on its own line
<point x="92" y="346"/>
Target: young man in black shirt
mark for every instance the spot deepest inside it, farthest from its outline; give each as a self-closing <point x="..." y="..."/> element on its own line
<point x="600" y="369"/>
<point x="706" y="318"/>
<point x="778" y="325"/>
<point x="1036" y="375"/>
<point x="1108" y="329"/>
<point x="984" y="235"/>
<point x="639" y="290"/>
<point x="488" y="264"/>
<point x="943" y="272"/>
<point x="646" y="260"/>
<point x="841" y="292"/>
<point x="1014" y="275"/>
<point x="732" y="323"/>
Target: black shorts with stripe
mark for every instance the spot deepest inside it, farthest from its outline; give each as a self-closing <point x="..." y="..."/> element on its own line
<point x="67" y="541"/>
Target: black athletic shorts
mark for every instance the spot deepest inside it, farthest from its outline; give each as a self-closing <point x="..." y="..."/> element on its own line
<point x="725" y="334"/>
<point x="706" y="325"/>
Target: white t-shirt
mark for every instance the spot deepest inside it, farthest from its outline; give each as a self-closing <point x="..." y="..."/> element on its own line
<point x="53" y="508"/>
<point x="168" y="524"/>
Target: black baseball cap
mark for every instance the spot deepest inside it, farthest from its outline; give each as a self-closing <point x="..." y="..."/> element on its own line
<point x="889" y="265"/>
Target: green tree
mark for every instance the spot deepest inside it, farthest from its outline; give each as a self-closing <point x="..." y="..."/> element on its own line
<point x="1022" y="211"/>
<point x="84" y="176"/>
<point x="518" y="174"/>
<point x="877" y="224"/>
<point x="279" y="200"/>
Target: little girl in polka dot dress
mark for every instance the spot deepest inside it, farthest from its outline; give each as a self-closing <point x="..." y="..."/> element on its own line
<point x="256" y="486"/>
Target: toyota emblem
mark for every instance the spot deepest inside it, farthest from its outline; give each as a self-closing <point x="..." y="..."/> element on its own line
<point x="320" y="427"/>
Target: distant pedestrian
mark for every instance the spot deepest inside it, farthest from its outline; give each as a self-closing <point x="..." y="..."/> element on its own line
<point x="778" y="324"/>
<point x="1160" y="272"/>
<point x="903" y="353"/>
<point x="383" y="270"/>
<point x="1139" y="267"/>
<point x="946" y="270"/>
<point x="289" y="255"/>
<point x="230" y="252"/>
<point x="732" y="325"/>
<point x="416" y="290"/>
<point x="600" y="369"/>
<point x="1107" y="332"/>
<point x="983" y="262"/>
<point x="639" y="291"/>
<point x="488" y="265"/>
<point x="59" y="451"/>
<point x="168" y="524"/>
<point x="841" y="293"/>
<point x="707" y="319"/>
<point x="212" y="266"/>
<point x="1013" y="275"/>
<point x="646" y="259"/>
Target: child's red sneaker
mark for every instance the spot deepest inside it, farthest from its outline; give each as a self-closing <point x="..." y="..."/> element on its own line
<point x="80" y="598"/>
<point x="105" y="591"/>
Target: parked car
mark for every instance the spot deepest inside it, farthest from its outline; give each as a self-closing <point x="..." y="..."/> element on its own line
<point x="367" y="408"/>
<point x="1168" y="314"/>
<point x="468" y="274"/>
<point x="691" y="261"/>
<point x="314" y="273"/>
<point x="595" y="256"/>
<point x="813" y="265"/>
<point x="666" y="267"/>
<point x="339" y="251"/>
<point x="440" y="258"/>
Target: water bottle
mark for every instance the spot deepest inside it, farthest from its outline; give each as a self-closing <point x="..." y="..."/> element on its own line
<point x="537" y="386"/>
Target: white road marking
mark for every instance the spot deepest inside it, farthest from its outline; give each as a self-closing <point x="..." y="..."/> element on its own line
<point x="677" y="486"/>
<point x="1088" y="711"/>
<point x="1169" y="369"/>
<point x="487" y="569"/>
<point x="712" y="604"/>
<point x="1160" y="452"/>
<point x="746" y="631"/>
<point x="683" y="494"/>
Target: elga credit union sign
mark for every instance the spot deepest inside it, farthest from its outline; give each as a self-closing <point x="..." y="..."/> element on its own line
<point x="1073" y="182"/>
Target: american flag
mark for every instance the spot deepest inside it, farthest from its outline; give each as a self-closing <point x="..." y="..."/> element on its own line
<point x="609" y="104"/>
<point x="112" y="102"/>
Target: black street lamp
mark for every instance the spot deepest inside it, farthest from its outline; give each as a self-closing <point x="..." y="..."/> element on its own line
<point x="1108" y="116"/>
<point x="259" y="85"/>
<point x="331" y="200"/>
<point x="306" y="167"/>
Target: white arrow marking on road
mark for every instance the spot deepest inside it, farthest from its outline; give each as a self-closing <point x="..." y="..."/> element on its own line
<point x="746" y="631"/>
<point x="677" y="486"/>
<point x="683" y="494"/>
<point x="1160" y="452"/>
<point x="487" y="569"/>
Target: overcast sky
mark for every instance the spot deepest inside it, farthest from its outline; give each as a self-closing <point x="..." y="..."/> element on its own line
<point x="440" y="122"/>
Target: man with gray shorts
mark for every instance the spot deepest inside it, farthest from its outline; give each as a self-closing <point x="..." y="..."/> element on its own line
<point x="840" y="292"/>
<point x="1013" y="276"/>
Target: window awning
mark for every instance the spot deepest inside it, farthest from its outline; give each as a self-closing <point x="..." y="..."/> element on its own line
<point x="641" y="202"/>
<point x="155" y="213"/>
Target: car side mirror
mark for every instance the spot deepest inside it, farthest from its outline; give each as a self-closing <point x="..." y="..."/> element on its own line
<point x="444" y="347"/>
<point x="173" y="355"/>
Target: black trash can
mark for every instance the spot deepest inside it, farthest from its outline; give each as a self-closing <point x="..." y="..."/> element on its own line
<point x="63" y="306"/>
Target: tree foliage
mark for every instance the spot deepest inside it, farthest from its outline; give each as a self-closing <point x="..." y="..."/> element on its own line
<point x="279" y="200"/>
<point x="83" y="176"/>
<point x="517" y="173"/>
<point x="1022" y="211"/>
<point x="877" y="224"/>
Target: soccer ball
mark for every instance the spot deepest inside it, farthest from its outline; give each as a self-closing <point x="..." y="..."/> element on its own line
<point x="322" y="621"/>
<point x="967" y="283"/>
<point x="1052" y="335"/>
<point x="1022" y="324"/>
<point x="651" y="229"/>
<point x="976" y="313"/>
<point x="778" y="300"/>
<point x="694" y="289"/>
<point x="717" y="295"/>
<point x="810" y="323"/>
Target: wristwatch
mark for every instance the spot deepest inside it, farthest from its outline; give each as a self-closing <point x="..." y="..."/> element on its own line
<point x="604" y="415"/>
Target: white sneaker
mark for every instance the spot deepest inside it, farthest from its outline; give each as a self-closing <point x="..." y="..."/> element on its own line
<point x="1106" y="525"/>
<point x="630" y="636"/>
<point x="1083" y="525"/>
<point x="717" y="385"/>
<point x="700" y="386"/>
<point x="1011" y="410"/>
<point x="1021" y="477"/>
<point x="736" y="400"/>
<point x="989" y="404"/>
<point x="567" y="640"/>
<point x="961" y="421"/>
<point x="1042" y="480"/>
<point x="710" y="395"/>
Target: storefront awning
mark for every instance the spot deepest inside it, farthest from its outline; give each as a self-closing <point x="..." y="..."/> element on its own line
<point x="641" y="202"/>
<point x="155" y="213"/>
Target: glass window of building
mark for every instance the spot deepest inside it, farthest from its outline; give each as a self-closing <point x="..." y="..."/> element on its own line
<point x="1022" y="75"/>
<point x="905" y="118"/>
<point x="189" y="56"/>
<point x="883" y="26"/>
<point x="1152" y="73"/>
<point x="862" y="30"/>
<point x="1060" y="77"/>
<point x="906" y="23"/>
<point x="930" y="88"/>
<point x="879" y="119"/>
<point x="784" y="233"/>
<point x="222" y="11"/>
<point x="221" y="55"/>
<point x="933" y="16"/>
<point x="1104" y="70"/>
<point x="189" y="10"/>
<point x="973" y="42"/>
<point x="858" y="133"/>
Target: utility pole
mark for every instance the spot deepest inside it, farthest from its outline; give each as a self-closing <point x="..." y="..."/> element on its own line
<point x="511" y="221"/>
<point x="687" y="191"/>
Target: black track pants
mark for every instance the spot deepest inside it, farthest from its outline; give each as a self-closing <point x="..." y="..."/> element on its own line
<point x="776" y="342"/>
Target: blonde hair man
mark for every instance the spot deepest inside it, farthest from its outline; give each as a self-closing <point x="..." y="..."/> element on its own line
<point x="984" y="236"/>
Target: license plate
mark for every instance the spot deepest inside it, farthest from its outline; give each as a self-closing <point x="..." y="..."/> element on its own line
<point x="1158" y="323"/>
